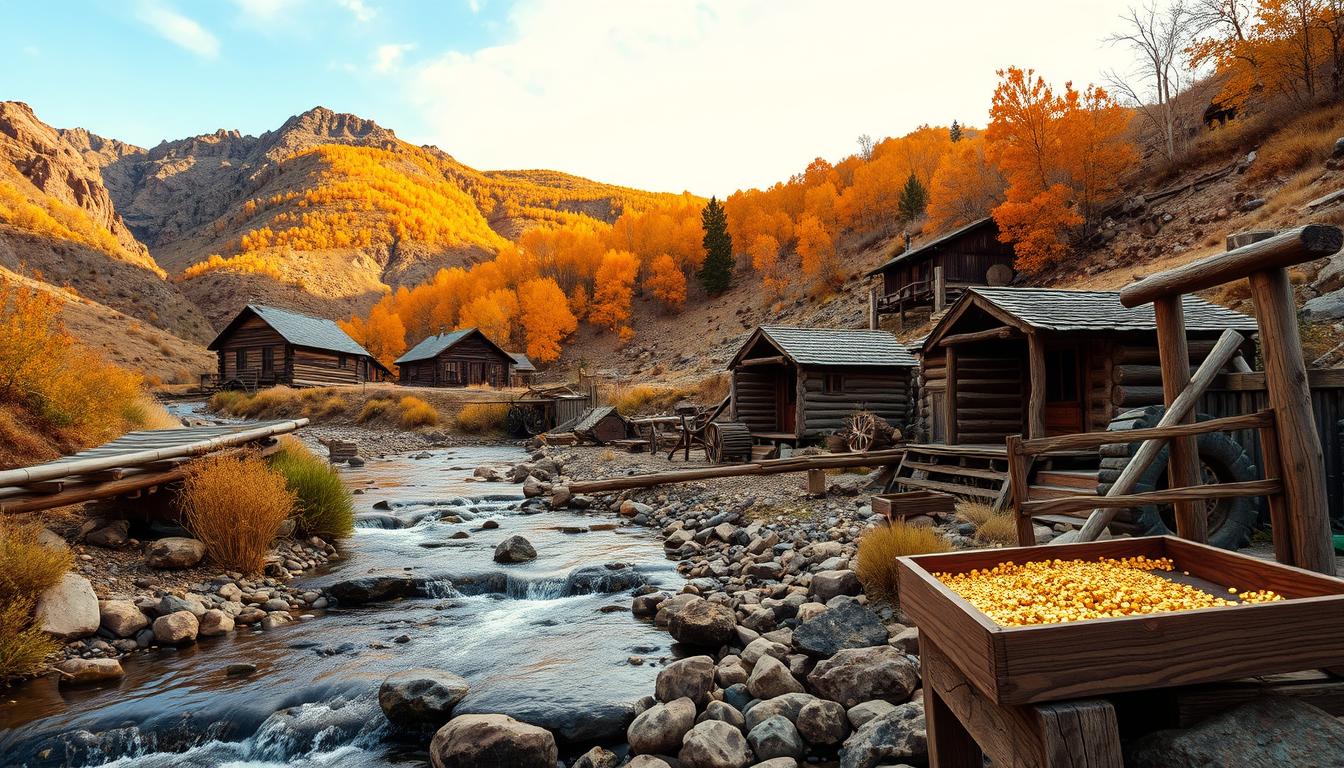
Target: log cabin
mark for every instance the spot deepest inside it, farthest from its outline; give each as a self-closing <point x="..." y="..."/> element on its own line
<point x="795" y="385"/>
<point x="463" y="358"/>
<point x="524" y="372"/>
<point x="935" y="274"/>
<point x="265" y="346"/>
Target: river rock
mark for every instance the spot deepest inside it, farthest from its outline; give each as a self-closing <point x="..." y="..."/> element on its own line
<point x="691" y="678"/>
<point x="88" y="671"/>
<point x="788" y="705"/>
<point x="845" y="625"/>
<point x="49" y="539"/>
<point x="714" y="744"/>
<point x="778" y="762"/>
<point x="829" y="584"/>
<point x="775" y="737"/>
<point x="660" y="728"/>
<point x="176" y="628"/>
<point x="856" y="675"/>
<point x="373" y="589"/>
<point x="647" y="761"/>
<point x="490" y="741"/>
<point x="897" y="736"/>
<point x="214" y="623"/>
<point x="121" y="617"/>
<point x="69" y="608"/>
<point x="515" y="549"/>
<point x="703" y="624"/>
<point x="110" y="536"/>
<point x="601" y="579"/>
<point x="725" y="712"/>
<point x="730" y="672"/>
<point x="489" y="474"/>
<point x="174" y="552"/>
<point x="415" y="698"/>
<point x="631" y="508"/>
<point x="761" y="647"/>
<point x="770" y="678"/>
<point x="173" y="603"/>
<point x="862" y="713"/>
<point x="823" y="722"/>
<point x="1267" y="732"/>
<point x="532" y="487"/>
<point x="597" y="757"/>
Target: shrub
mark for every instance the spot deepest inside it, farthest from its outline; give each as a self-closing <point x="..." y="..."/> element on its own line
<point x="325" y="408"/>
<point x="417" y="413"/>
<point x="228" y="402"/>
<point x="974" y="512"/>
<point x="235" y="505"/>
<point x="375" y="408"/>
<point x="640" y="398"/>
<point x="27" y="569"/>
<point x="479" y="418"/>
<point x="875" y="562"/>
<point x="323" y="505"/>
<point x="998" y="529"/>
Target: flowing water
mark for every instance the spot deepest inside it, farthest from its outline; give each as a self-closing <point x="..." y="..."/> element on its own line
<point x="533" y="640"/>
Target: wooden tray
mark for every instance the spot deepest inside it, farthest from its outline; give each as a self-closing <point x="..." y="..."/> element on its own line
<point x="1021" y="665"/>
<point x="898" y="506"/>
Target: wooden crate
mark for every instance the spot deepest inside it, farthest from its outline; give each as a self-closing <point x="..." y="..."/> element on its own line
<point x="1021" y="665"/>
<point x="898" y="506"/>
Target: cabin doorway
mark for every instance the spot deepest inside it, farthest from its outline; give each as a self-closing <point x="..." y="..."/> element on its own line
<point x="1063" y="390"/>
<point x="786" y="401"/>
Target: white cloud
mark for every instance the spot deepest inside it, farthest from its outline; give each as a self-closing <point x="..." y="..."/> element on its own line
<point x="265" y="11"/>
<point x="714" y="96"/>
<point x="361" y="11"/>
<point x="178" y="29"/>
<point x="387" y="58"/>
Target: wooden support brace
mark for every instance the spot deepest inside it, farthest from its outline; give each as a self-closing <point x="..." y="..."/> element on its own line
<point x="816" y="482"/>
<point x="1183" y="458"/>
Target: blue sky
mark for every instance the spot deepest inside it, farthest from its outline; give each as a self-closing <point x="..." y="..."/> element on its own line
<point x="659" y="94"/>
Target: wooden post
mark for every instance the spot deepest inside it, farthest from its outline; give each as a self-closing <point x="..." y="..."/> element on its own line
<point x="1183" y="463"/>
<point x="950" y="398"/>
<point x="939" y="290"/>
<point x="1278" y="507"/>
<point x="816" y="482"/>
<point x="872" y="308"/>
<point x="1300" y="457"/>
<point x="1019" y="468"/>
<point x="1036" y="395"/>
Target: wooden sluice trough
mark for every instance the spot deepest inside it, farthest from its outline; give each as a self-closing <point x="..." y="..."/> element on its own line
<point x="132" y="463"/>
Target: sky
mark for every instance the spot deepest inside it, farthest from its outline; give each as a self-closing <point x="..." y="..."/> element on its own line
<point x="668" y="95"/>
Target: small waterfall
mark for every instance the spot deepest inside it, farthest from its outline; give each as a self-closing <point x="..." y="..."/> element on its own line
<point x="440" y="589"/>
<point x="536" y="589"/>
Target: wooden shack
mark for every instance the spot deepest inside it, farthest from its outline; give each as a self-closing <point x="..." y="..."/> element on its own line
<point x="793" y="385"/>
<point x="1042" y="361"/>
<point x="462" y="358"/>
<point x="935" y="274"/>
<point x="523" y="372"/>
<point x="264" y="346"/>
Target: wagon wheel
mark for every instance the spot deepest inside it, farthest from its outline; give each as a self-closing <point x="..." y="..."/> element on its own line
<point x="862" y="432"/>
<point x="728" y="440"/>
<point x="534" y="421"/>
<point x="524" y="421"/>
<point x="713" y="448"/>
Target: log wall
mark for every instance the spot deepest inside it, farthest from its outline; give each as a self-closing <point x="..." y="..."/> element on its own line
<point x="251" y="337"/>
<point x="314" y="368"/>
<point x="885" y="393"/>
<point x="754" y="397"/>
<point x="470" y="361"/>
<point x="991" y="395"/>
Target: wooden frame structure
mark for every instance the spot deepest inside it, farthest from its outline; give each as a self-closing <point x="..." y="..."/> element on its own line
<point x="936" y="273"/>
<point x="264" y="346"/>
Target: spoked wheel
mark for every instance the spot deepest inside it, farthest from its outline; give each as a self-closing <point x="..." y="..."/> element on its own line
<point x="862" y="432"/>
<point x="524" y="421"/>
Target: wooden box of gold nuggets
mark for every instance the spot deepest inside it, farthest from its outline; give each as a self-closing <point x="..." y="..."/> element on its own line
<point x="1046" y="623"/>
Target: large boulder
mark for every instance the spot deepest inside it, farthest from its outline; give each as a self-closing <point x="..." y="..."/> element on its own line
<point x="703" y="624"/>
<point x="492" y="741"/>
<point x="214" y="623"/>
<point x="714" y="744"/>
<point x="659" y="729"/>
<point x="110" y="535"/>
<point x="415" y="698"/>
<point x="515" y="549"/>
<point x="174" y="552"/>
<point x="775" y="737"/>
<point x="89" y="671"/>
<point x="1264" y="733"/>
<point x="896" y="737"/>
<point x="788" y="705"/>
<point x="69" y="608"/>
<point x="856" y="675"/>
<point x="122" y="618"/>
<point x="770" y="678"/>
<point x="847" y="625"/>
<point x="691" y="678"/>
<point x="373" y="589"/>
<point x="176" y="628"/>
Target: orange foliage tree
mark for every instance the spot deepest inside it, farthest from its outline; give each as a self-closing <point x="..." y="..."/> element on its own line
<point x="615" y="281"/>
<point x="666" y="282"/>
<point x="816" y="246"/>
<point x="546" y="319"/>
<point x="966" y="186"/>
<point x="382" y="333"/>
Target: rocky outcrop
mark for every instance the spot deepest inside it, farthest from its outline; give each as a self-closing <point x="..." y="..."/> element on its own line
<point x="481" y="741"/>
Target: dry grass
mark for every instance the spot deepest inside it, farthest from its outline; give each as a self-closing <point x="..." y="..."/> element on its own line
<point x="235" y="505"/>
<point x="875" y="562"/>
<point x="974" y="512"/>
<point x="1305" y="140"/>
<point x="416" y="413"/>
<point x="377" y="408"/>
<point x="645" y="398"/>
<point x="607" y="455"/>
<point x="999" y="529"/>
<point x="27" y="569"/>
<point x="713" y="389"/>
<point x="482" y="418"/>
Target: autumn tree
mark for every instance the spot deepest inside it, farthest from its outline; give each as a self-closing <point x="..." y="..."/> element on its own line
<point x="816" y="246"/>
<point x="610" y="307"/>
<point x="966" y="186"/>
<point x="666" y="282"/>
<point x="716" y="275"/>
<point x="1159" y="38"/>
<point x="545" y="317"/>
<point x="493" y="314"/>
<point x="954" y="133"/>
<point x="914" y="199"/>
<point x="383" y="334"/>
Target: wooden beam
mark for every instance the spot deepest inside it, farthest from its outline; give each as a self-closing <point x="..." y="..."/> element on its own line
<point x="776" y="360"/>
<point x="1090" y="440"/>
<point x="46" y="486"/>
<point x="939" y="289"/>
<point x="1019" y="468"/>
<point x="1183" y="459"/>
<point x="950" y="398"/>
<point x="1036" y="395"/>
<point x="763" y="467"/>
<point x="1302" y="465"/>
<point x="1294" y="246"/>
<point x="989" y="334"/>
<point x="1192" y="494"/>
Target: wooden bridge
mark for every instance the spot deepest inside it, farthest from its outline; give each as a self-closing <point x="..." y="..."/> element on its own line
<point x="130" y="464"/>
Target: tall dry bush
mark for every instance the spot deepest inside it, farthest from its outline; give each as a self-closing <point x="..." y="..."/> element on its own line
<point x="27" y="569"/>
<point x="481" y="418"/>
<point x="416" y="413"/>
<point x="875" y="561"/>
<point x="235" y="505"/>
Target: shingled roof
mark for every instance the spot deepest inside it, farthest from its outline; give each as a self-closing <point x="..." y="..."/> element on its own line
<point x="433" y="346"/>
<point x="299" y="330"/>
<point x="928" y="248"/>
<point x="522" y="363"/>
<point x="1054" y="309"/>
<point x="832" y="346"/>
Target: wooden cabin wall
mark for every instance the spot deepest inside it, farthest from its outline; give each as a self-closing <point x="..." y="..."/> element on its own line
<point x="252" y="336"/>
<point x="469" y="351"/>
<point x="754" y="397"/>
<point x="316" y="367"/>
<point x="932" y="387"/>
<point x="885" y="393"/>
<point x="419" y="373"/>
<point x="1136" y="377"/>
<point x="991" y="393"/>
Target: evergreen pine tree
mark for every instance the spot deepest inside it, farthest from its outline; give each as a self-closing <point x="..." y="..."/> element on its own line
<point x="955" y="132"/>
<point x="914" y="198"/>
<point x="717" y="273"/>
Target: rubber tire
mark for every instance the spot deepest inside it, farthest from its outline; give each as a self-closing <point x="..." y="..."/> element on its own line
<point x="1217" y="451"/>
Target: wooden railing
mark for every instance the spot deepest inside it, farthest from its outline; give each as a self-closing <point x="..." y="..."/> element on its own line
<point x="1022" y="453"/>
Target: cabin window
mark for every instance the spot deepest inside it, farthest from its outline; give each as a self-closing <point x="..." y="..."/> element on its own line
<point x="267" y="360"/>
<point x="240" y="359"/>
<point x="833" y="383"/>
<point x="1061" y="375"/>
<point x="340" y="361"/>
